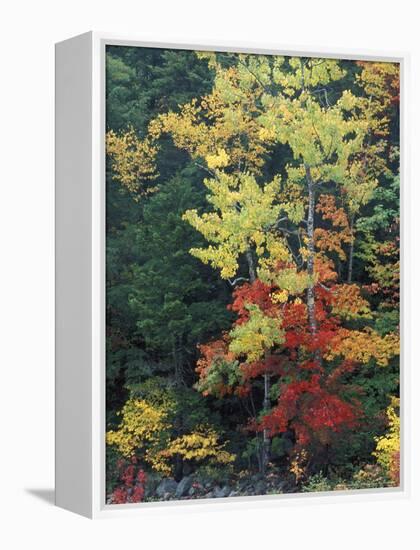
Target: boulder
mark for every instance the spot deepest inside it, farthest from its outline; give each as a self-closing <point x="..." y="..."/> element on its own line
<point x="260" y="487"/>
<point x="221" y="492"/>
<point x="242" y="484"/>
<point x="183" y="487"/>
<point x="256" y="477"/>
<point x="282" y="486"/>
<point x="152" y="483"/>
<point x="167" y="487"/>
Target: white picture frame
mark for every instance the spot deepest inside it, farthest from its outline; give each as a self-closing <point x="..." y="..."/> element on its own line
<point x="80" y="277"/>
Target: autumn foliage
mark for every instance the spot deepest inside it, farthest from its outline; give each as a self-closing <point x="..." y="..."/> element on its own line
<point x="297" y="164"/>
<point x="132" y="480"/>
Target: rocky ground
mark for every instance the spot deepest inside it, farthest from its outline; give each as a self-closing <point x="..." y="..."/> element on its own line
<point x="192" y="487"/>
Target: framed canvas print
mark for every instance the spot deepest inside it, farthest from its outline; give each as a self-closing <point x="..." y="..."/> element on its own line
<point x="228" y="274"/>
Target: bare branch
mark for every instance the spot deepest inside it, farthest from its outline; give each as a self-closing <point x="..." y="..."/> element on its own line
<point x="263" y="86"/>
<point x="237" y="280"/>
<point x="213" y="174"/>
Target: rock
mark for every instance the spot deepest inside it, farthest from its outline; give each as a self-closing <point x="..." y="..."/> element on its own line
<point x="183" y="487"/>
<point x="191" y="492"/>
<point x="234" y="493"/>
<point x="166" y="488"/>
<point x="221" y="492"/>
<point x="260" y="487"/>
<point x="257" y="477"/>
<point x="151" y="486"/>
<point x="243" y="484"/>
<point x="282" y="486"/>
<point x="209" y="495"/>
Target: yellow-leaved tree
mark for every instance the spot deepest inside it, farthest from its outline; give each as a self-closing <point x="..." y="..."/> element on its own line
<point x="146" y="432"/>
<point x="132" y="161"/>
<point x="387" y="450"/>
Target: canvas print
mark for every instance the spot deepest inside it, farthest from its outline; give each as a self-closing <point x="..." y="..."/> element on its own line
<point x="252" y="275"/>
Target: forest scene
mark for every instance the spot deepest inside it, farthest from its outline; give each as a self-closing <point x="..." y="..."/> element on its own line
<point x="252" y="275"/>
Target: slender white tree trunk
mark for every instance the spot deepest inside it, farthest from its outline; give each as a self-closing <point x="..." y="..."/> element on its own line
<point x="351" y="251"/>
<point x="311" y="250"/>
<point x="265" y="454"/>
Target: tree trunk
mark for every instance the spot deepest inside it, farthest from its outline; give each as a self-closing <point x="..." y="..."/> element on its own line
<point x="351" y="251"/>
<point x="251" y="266"/>
<point x="311" y="248"/>
<point x="178" y="421"/>
<point x="265" y="452"/>
<point x="266" y="438"/>
<point x="310" y="293"/>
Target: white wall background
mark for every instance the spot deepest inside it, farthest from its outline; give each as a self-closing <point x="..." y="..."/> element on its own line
<point x="28" y="32"/>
